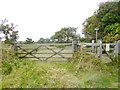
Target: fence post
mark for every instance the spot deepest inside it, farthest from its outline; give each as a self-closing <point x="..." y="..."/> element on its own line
<point x="15" y="49"/>
<point x="74" y="46"/>
<point x="117" y="48"/>
<point x="107" y="47"/>
<point x="93" y="41"/>
<point x="100" y="49"/>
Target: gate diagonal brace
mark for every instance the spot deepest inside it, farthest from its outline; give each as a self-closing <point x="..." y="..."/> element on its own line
<point x="29" y="53"/>
<point x="55" y="53"/>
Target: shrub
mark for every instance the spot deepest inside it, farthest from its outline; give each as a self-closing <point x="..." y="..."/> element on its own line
<point x="84" y="61"/>
<point x="9" y="60"/>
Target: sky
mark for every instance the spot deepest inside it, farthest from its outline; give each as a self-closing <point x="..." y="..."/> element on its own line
<point x="42" y="18"/>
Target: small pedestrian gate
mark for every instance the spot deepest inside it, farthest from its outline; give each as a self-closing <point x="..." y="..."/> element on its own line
<point x="43" y="52"/>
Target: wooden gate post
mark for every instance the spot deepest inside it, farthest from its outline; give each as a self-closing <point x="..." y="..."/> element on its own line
<point x="117" y="48"/>
<point x="15" y="49"/>
<point x="100" y="49"/>
<point x="74" y="46"/>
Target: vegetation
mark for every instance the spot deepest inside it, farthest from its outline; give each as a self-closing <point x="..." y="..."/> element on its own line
<point x="79" y="72"/>
<point x="29" y="41"/>
<point x="93" y="72"/>
<point x="44" y="40"/>
<point x="65" y="35"/>
<point x="10" y="34"/>
<point x="107" y="19"/>
<point x="82" y="71"/>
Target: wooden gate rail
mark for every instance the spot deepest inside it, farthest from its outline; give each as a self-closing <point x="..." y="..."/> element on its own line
<point x="41" y="53"/>
<point x="57" y="44"/>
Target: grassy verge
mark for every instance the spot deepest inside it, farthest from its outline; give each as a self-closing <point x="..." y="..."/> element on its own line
<point x="93" y="72"/>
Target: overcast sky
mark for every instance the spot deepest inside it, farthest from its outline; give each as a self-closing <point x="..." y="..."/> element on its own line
<point x="42" y="18"/>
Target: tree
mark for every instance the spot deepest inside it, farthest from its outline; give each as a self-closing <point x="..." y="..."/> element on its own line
<point x="29" y="41"/>
<point x="41" y="40"/>
<point x="10" y="34"/>
<point x="44" y="40"/>
<point x="107" y="19"/>
<point x="66" y="34"/>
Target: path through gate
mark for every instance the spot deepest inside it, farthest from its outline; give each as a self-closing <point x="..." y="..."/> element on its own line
<point x="44" y="52"/>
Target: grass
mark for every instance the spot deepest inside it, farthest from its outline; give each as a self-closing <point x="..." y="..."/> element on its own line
<point x="57" y="75"/>
<point x="82" y="71"/>
<point x="93" y="72"/>
<point x="40" y="75"/>
<point x="0" y="81"/>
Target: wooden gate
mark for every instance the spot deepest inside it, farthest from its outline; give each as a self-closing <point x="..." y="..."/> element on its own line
<point x="43" y="52"/>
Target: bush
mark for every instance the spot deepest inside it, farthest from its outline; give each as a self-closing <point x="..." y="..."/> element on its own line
<point x="9" y="60"/>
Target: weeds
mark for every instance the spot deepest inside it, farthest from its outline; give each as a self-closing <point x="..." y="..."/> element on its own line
<point x="93" y="72"/>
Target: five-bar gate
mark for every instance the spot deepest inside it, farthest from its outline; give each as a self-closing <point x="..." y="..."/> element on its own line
<point x="44" y="52"/>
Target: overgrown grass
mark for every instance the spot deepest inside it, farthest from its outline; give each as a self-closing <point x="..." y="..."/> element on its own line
<point x="40" y="76"/>
<point x="93" y="72"/>
<point x="82" y="71"/>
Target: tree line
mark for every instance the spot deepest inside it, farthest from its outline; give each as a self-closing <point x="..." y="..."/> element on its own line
<point x="107" y="20"/>
<point x="65" y="35"/>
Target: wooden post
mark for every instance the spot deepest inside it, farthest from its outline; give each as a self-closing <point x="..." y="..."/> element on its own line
<point x="15" y="49"/>
<point x="78" y="47"/>
<point x="100" y="49"/>
<point x="117" y="48"/>
<point x="107" y="47"/>
<point x="74" y="46"/>
<point x="93" y="41"/>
